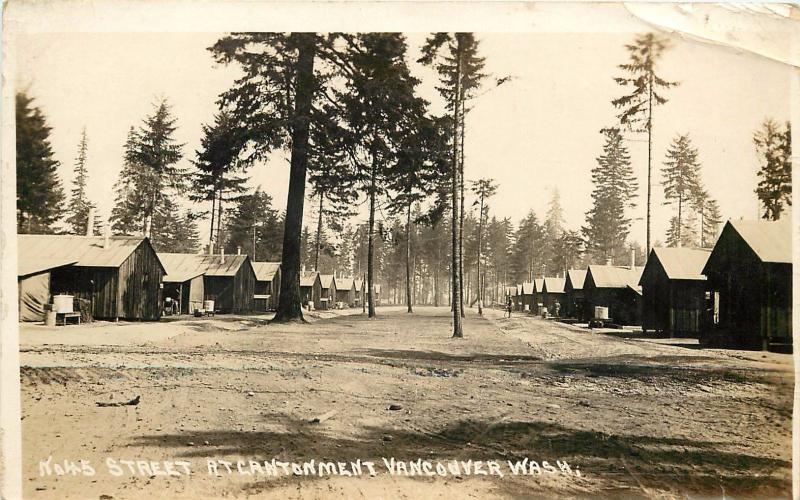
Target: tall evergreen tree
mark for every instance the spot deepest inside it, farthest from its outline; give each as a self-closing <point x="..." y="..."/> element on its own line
<point x="255" y="227"/>
<point x="283" y="95"/>
<point x="644" y="87"/>
<point x="483" y="189"/>
<point x="381" y="109"/>
<point x="150" y="177"/>
<point x="607" y="226"/>
<point x="174" y="231"/>
<point x="217" y="178"/>
<point x="681" y="178"/>
<point x="553" y="230"/>
<point x="79" y="203"/>
<point x="774" y="149"/>
<point x="39" y="190"/>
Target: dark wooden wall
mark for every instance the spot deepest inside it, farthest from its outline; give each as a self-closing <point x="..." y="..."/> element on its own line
<point x="232" y="294"/>
<point x="550" y="300"/>
<point x="139" y="293"/>
<point x="96" y="284"/>
<point x="755" y="298"/>
<point x="624" y="305"/>
<point x="676" y="307"/>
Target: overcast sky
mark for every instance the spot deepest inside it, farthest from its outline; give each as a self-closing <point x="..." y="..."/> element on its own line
<point x="537" y="133"/>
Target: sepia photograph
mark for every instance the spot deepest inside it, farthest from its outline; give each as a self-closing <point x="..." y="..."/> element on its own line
<point x="397" y="250"/>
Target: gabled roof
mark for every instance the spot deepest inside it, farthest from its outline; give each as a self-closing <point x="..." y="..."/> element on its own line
<point x="182" y="267"/>
<point x="576" y="277"/>
<point x="553" y="285"/>
<point x="615" y="276"/>
<point x="359" y="284"/>
<point x="266" y="271"/>
<point x="770" y="240"/>
<point x="681" y="263"/>
<point x="527" y="288"/>
<point x="327" y="280"/>
<point x="308" y="278"/>
<point x="229" y="267"/>
<point x="39" y="252"/>
<point x="519" y="290"/>
<point x="511" y="290"/>
<point x="344" y="283"/>
<point x="538" y="283"/>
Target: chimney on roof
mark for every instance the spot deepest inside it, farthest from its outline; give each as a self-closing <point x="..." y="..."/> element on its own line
<point x="90" y="222"/>
<point x="222" y="253"/>
<point x="633" y="258"/>
<point x="608" y="261"/>
<point x="239" y="250"/>
<point x="147" y="223"/>
<point x="303" y="268"/>
<point x="107" y="237"/>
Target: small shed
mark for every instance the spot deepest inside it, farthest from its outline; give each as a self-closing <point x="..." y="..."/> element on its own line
<point x="552" y="294"/>
<point x="617" y="288"/>
<point x="119" y="275"/>
<point x="328" y="297"/>
<point x="33" y="285"/>
<point x="184" y="280"/>
<point x="573" y="294"/>
<point x="268" y="285"/>
<point x="526" y="296"/>
<point x="310" y="288"/>
<point x="230" y="282"/>
<point x="749" y="277"/>
<point x="673" y="291"/>
<point x="346" y="291"/>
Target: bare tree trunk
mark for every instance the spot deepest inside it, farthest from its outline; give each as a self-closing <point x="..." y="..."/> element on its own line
<point x="456" y="257"/>
<point x="213" y="214"/>
<point x="370" y="240"/>
<point x="289" y="307"/>
<point x="408" y="260"/>
<point x="319" y="235"/>
<point x="480" y="233"/>
<point x="461" y="216"/>
<point x="220" y="243"/>
<point x="649" y="157"/>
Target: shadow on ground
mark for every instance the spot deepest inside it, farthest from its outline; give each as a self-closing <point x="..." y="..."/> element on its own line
<point x="616" y="465"/>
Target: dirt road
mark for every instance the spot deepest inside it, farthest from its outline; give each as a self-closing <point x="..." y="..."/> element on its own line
<point x="611" y="416"/>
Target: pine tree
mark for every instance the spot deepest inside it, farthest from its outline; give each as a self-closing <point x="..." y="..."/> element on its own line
<point x="483" y="189"/>
<point x="279" y="101"/>
<point x="681" y="178"/>
<point x="217" y="177"/>
<point x="79" y="203"/>
<point x="607" y="226"/>
<point x="568" y="249"/>
<point x="150" y="175"/>
<point x="39" y="190"/>
<point x="710" y="218"/>
<point x="255" y="227"/>
<point x="381" y="109"/>
<point x="173" y="231"/>
<point x="774" y="148"/>
<point x="645" y="87"/>
<point x="682" y="234"/>
<point x="553" y="230"/>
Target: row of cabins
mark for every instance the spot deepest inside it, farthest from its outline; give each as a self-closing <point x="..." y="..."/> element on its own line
<point x="327" y="291"/>
<point x="738" y="294"/>
<point x="123" y="277"/>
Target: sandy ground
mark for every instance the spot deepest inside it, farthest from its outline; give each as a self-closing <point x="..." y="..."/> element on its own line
<point x="611" y="416"/>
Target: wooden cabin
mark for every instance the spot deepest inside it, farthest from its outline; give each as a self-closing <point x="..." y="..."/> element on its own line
<point x="328" y="297"/>
<point x="228" y="280"/>
<point x="617" y="288"/>
<point x="119" y="275"/>
<point x="310" y="289"/>
<point x="674" y="291"/>
<point x="538" y="294"/>
<point x="346" y="291"/>
<point x="573" y="294"/>
<point x="268" y="285"/>
<point x="377" y="289"/>
<point x="526" y="296"/>
<point x="184" y="280"/>
<point x="518" y="306"/>
<point x="552" y="294"/>
<point x="749" y="279"/>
